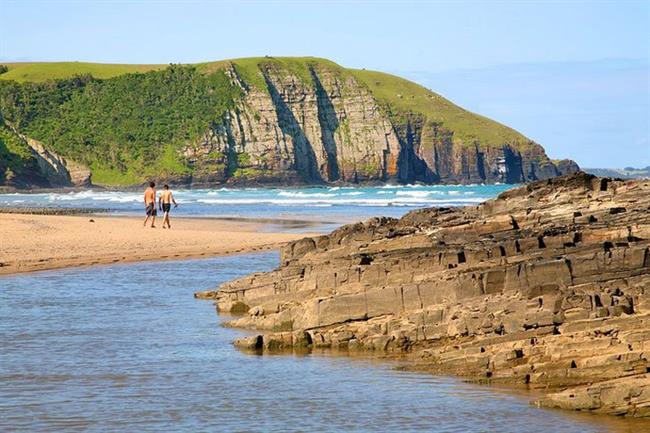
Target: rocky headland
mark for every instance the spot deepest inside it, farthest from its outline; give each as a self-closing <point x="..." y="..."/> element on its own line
<point x="256" y="120"/>
<point x="546" y="286"/>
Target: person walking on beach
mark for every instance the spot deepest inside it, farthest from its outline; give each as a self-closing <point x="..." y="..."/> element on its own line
<point x="165" y="202"/>
<point x="150" y="204"/>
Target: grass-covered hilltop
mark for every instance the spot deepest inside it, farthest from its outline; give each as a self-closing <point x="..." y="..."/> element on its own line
<point x="253" y="120"/>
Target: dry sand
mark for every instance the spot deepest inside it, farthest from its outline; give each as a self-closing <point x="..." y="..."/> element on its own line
<point x="38" y="242"/>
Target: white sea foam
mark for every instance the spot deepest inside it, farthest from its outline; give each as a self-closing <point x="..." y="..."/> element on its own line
<point x="413" y="193"/>
<point x="126" y="199"/>
<point x="254" y="200"/>
<point x="117" y="197"/>
<point x="305" y="194"/>
<point x="418" y="193"/>
<point x="71" y="196"/>
<point x="404" y="201"/>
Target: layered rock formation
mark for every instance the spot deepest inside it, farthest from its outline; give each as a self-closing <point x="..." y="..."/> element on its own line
<point x="291" y="131"/>
<point x="268" y="120"/>
<point x="332" y="128"/>
<point x="43" y="167"/>
<point x="547" y="286"/>
<point x="58" y="171"/>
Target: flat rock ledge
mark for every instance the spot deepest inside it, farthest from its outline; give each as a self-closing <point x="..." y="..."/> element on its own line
<point x="546" y="286"/>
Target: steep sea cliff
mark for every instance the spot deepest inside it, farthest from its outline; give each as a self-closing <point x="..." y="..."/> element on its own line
<point x="262" y="121"/>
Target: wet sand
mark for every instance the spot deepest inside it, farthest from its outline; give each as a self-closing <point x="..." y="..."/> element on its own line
<point x="39" y="242"/>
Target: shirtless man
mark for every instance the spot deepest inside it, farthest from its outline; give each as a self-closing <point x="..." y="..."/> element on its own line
<point x="165" y="202"/>
<point x="150" y="204"/>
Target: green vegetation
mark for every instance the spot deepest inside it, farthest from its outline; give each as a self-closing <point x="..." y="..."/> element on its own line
<point x="401" y="97"/>
<point x="15" y="154"/>
<point x="250" y="173"/>
<point x="369" y="168"/>
<point x="243" y="159"/>
<point x="169" y="163"/>
<point x="40" y="71"/>
<point x="250" y="69"/>
<point x="625" y="173"/>
<point x="298" y="66"/>
<point x="343" y="129"/>
<point x="3" y="69"/>
<point x="107" y="175"/>
<point x="125" y="128"/>
<point x="130" y="122"/>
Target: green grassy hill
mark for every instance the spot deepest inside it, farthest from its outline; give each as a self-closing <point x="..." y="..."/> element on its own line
<point x="400" y="94"/>
<point x="124" y="128"/>
<point x="405" y="96"/>
<point x="42" y="71"/>
<point x="116" y="117"/>
<point x="248" y="67"/>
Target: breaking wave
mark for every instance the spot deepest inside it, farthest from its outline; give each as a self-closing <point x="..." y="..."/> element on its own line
<point x="346" y="201"/>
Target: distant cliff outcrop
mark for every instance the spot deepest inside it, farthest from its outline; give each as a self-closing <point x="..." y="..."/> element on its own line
<point x="264" y="120"/>
<point x="623" y="173"/>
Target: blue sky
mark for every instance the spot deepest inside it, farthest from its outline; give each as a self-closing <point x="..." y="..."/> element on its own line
<point x="574" y="76"/>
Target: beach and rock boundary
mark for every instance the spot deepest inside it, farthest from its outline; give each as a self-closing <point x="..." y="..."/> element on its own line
<point x="546" y="286"/>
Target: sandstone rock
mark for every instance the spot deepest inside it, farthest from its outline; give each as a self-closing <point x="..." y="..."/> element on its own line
<point x="626" y="396"/>
<point x="520" y="289"/>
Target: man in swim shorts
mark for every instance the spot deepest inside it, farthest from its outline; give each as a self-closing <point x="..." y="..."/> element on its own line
<point x="165" y="202"/>
<point x="150" y="204"/>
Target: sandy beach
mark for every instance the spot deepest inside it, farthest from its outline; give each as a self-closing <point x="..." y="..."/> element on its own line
<point x="39" y="242"/>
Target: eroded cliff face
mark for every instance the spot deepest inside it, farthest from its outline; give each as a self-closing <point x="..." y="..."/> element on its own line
<point x="331" y="128"/>
<point x="265" y="121"/>
<point x="293" y="132"/>
<point x="41" y="166"/>
<point x="546" y="286"/>
<point x="431" y="154"/>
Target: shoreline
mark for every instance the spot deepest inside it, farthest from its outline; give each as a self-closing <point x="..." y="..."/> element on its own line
<point x="407" y="363"/>
<point x="102" y="261"/>
<point x="104" y="212"/>
<point x="35" y="189"/>
<point x="33" y="242"/>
